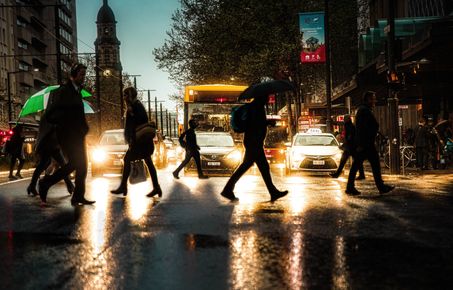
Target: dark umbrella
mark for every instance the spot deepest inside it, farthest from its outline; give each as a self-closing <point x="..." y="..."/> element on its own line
<point x="265" y="89"/>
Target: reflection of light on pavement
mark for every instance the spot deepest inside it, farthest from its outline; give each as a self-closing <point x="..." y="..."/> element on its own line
<point x="297" y="194"/>
<point x="190" y="181"/>
<point x="340" y="272"/>
<point x="137" y="201"/>
<point x="100" y="186"/>
<point x="296" y="261"/>
<point x="244" y="260"/>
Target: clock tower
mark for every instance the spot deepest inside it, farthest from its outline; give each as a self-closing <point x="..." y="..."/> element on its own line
<point x="110" y="69"/>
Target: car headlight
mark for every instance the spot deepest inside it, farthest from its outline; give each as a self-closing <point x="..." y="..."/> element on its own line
<point x="99" y="155"/>
<point x="235" y="156"/>
<point x="337" y="156"/>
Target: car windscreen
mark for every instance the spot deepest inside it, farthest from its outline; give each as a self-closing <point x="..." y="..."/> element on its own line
<point x="215" y="140"/>
<point x="315" y="140"/>
<point x="112" y="139"/>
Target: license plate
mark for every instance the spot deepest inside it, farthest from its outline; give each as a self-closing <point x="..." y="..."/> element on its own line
<point x="318" y="162"/>
<point x="117" y="162"/>
<point x="268" y="155"/>
<point x="213" y="163"/>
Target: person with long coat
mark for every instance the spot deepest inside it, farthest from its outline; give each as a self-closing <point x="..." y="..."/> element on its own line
<point x="348" y="148"/>
<point x="367" y="128"/>
<point x="16" y="151"/>
<point x="254" y="135"/>
<point x="66" y="113"/>
<point x="139" y="147"/>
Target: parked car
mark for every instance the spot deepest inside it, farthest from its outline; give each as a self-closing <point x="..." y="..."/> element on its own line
<point x="219" y="154"/>
<point x="107" y="156"/>
<point x="313" y="151"/>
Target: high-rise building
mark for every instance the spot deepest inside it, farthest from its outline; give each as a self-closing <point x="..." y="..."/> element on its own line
<point x="38" y="44"/>
<point x="110" y="69"/>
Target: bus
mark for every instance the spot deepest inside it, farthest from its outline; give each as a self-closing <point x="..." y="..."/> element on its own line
<point x="210" y="106"/>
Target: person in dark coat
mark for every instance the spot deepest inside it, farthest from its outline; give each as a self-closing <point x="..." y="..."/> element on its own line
<point x="254" y="135"/>
<point x="138" y="149"/>
<point x="46" y="148"/>
<point x="366" y="130"/>
<point x="66" y="113"/>
<point x="192" y="150"/>
<point x="348" y="148"/>
<point x="421" y="145"/>
<point x="16" y="152"/>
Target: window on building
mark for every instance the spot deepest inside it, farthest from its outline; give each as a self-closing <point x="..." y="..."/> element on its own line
<point x="24" y="66"/>
<point x="21" y="23"/>
<point x="22" y="44"/>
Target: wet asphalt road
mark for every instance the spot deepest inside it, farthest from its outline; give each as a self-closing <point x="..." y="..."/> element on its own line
<point x="191" y="238"/>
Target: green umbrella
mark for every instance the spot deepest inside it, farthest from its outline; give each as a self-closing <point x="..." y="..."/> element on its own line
<point x="38" y="101"/>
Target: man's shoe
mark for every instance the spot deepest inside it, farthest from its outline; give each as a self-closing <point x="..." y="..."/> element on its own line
<point x="229" y="194"/>
<point x="278" y="194"/>
<point x="43" y="188"/>
<point x="386" y="189"/>
<point x="81" y="201"/>
<point x="203" y="177"/>
<point x="12" y="177"/>
<point x="70" y="189"/>
<point x="31" y="190"/>
<point x="156" y="191"/>
<point x="175" y="175"/>
<point x="19" y="176"/>
<point x="119" y="190"/>
<point x="360" y="177"/>
<point x="334" y="175"/>
<point x="352" y="191"/>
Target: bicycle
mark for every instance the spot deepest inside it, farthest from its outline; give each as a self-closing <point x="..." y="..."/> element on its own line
<point x="407" y="156"/>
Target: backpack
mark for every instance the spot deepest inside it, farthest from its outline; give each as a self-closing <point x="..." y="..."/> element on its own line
<point x="238" y="118"/>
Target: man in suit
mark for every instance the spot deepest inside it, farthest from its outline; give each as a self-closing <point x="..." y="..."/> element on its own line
<point x="366" y="130"/>
<point x="192" y="150"/>
<point x="254" y="135"/>
<point x="67" y="115"/>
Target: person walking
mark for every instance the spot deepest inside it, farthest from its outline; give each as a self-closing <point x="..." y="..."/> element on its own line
<point x="254" y="135"/>
<point x="46" y="149"/>
<point x="366" y="130"/>
<point x="140" y="147"/>
<point x="421" y="145"/>
<point x="66" y="113"/>
<point x="348" y="148"/>
<point x="192" y="150"/>
<point x="16" y="152"/>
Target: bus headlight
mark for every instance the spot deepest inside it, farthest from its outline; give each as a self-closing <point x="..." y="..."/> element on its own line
<point x="99" y="155"/>
<point x="235" y="156"/>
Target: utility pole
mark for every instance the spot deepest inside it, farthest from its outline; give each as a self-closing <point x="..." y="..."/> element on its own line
<point x="392" y="100"/>
<point x="328" y="69"/>
<point x="149" y="105"/>
<point x="161" y="119"/>
<point x="166" y="125"/>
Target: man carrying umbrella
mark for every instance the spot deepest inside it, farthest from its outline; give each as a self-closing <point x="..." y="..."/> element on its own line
<point x="66" y="112"/>
<point x="254" y="136"/>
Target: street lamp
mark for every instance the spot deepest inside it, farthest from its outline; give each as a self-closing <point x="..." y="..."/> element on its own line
<point x="8" y="80"/>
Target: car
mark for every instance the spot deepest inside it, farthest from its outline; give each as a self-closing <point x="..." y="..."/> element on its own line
<point x="107" y="155"/>
<point x="218" y="153"/>
<point x="313" y="151"/>
<point x="171" y="149"/>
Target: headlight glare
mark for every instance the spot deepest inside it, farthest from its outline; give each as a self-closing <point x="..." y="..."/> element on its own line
<point x="99" y="155"/>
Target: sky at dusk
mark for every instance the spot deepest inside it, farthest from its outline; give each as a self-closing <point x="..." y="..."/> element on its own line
<point x="141" y="27"/>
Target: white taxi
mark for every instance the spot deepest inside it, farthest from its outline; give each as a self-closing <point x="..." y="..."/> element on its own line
<point x="313" y="151"/>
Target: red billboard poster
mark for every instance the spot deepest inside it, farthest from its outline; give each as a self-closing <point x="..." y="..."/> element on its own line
<point x="313" y="40"/>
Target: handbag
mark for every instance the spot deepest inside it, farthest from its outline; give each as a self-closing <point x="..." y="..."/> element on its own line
<point x="138" y="172"/>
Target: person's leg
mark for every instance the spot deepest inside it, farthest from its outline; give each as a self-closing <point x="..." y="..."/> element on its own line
<point x="20" y="166"/>
<point x="419" y="156"/>
<point x="183" y="163"/>
<point x="373" y="158"/>
<point x="122" y="188"/>
<point x="12" y="162"/>
<point x="58" y="156"/>
<point x="41" y="165"/>
<point x="361" y="172"/>
<point x="344" y="158"/>
<point x="263" y="167"/>
<point x="247" y="162"/>
<point x="196" y="157"/>
<point x="153" y="173"/>
<point x="357" y="161"/>
<point x="81" y="168"/>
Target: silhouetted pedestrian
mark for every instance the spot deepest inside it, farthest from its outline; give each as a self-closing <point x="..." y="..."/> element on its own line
<point x="421" y="145"/>
<point x="366" y="130"/>
<point x="140" y="147"/>
<point x="16" y="152"/>
<point x="192" y="150"/>
<point x="65" y="111"/>
<point x="348" y="148"/>
<point x="254" y="135"/>
<point x="46" y="148"/>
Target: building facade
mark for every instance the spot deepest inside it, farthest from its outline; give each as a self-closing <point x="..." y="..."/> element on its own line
<point x="38" y="45"/>
<point x="110" y="70"/>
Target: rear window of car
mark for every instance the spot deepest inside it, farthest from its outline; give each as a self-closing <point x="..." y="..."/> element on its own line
<point x="112" y="139"/>
<point x="215" y="140"/>
<point x="315" y="140"/>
